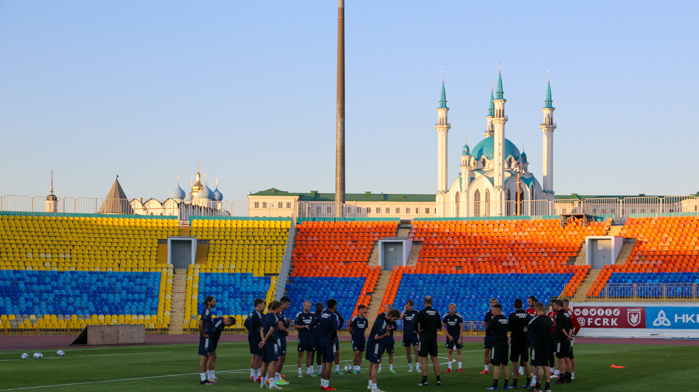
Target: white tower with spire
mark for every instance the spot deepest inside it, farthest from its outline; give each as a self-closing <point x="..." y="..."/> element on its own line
<point x="548" y="126"/>
<point x="499" y="120"/>
<point x="442" y="128"/>
<point x="51" y="199"/>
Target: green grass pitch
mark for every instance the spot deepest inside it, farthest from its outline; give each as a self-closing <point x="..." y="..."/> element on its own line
<point x="175" y="368"/>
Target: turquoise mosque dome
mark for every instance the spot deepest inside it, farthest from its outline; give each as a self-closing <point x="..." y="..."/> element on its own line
<point x="466" y="150"/>
<point x="486" y="149"/>
<point x="178" y="193"/>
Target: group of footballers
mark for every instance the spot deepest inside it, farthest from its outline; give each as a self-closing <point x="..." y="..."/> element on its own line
<point x="546" y="339"/>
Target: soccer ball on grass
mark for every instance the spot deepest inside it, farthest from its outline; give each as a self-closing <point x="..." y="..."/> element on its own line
<point x="348" y="368"/>
<point x="24" y="356"/>
<point x="60" y="353"/>
<point x="38" y="355"/>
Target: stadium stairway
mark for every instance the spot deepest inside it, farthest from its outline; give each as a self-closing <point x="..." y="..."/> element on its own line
<point x="581" y="294"/>
<point x="374" y="257"/>
<point x="580" y="258"/>
<point x="414" y="254"/>
<point x="377" y="295"/>
<point x="177" y="306"/>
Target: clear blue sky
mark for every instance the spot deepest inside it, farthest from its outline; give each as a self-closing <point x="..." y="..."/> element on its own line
<point x="145" y="89"/>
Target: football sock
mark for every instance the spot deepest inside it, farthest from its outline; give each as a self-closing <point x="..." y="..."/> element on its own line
<point x="514" y="382"/>
<point x="460" y="365"/>
<point x="379" y="366"/>
<point x="203" y="376"/>
<point x="375" y="386"/>
<point x="277" y="377"/>
<point x="572" y="374"/>
<point x="252" y="372"/>
<point x="411" y="366"/>
<point x="495" y="383"/>
<point x="213" y="374"/>
<point x="547" y="386"/>
<point x="487" y="367"/>
<point x="320" y="368"/>
<point x="390" y="367"/>
<point x="300" y="370"/>
<point x="506" y="382"/>
<point x="529" y="381"/>
<point x="424" y="379"/>
<point x="322" y="383"/>
<point x="438" y="378"/>
<point x="449" y="365"/>
<point x="337" y="368"/>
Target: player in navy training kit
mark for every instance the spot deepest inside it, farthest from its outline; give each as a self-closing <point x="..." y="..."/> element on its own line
<point x="253" y="324"/>
<point x="488" y="341"/>
<point x="357" y="327"/>
<point x="269" y="346"/>
<point x="215" y="328"/>
<point x="341" y="323"/>
<point x="205" y="343"/>
<point x="305" y="321"/>
<point x="282" y="332"/>
<point x="410" y="337"/>
<point x="327" y="329"/>
<point x="316" y="336"/>
<point x="564" y="334"/>
<point x="379" y="332"/>
<point x="388" y="343"/>
<point x="453" y="326"/>
<point x="519" y="342"/>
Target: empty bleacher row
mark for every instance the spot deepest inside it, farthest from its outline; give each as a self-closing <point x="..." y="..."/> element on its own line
<point x="332" y="256"/>
<point x="508" y="245"/>
<point x="664" y="261"/>
<point x="244" y="258"/>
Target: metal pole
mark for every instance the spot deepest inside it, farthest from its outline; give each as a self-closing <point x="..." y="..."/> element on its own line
<point x="340" y="114"/>
<point x="519" y="182"/>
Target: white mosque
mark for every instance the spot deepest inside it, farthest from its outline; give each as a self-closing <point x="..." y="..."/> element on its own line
<point x="494" y="179"/>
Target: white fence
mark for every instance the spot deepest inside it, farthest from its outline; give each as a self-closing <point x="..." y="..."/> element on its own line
<point x="619" y="208"/>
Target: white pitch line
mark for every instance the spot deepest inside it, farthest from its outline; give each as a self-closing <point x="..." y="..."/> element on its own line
<point x="98" y="355"/>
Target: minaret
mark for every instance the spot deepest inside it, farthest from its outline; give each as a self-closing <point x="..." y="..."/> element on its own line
<point x="491" y="113"/>
<point x="442" y="128"/>
<point x="548" y="126"/>
<point x="465" y="166"/>
<point x="499" y="121"/>
<point x="51" y="199"/>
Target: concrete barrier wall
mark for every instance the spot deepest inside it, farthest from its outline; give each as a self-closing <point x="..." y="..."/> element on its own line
<point x="100" y="335"/>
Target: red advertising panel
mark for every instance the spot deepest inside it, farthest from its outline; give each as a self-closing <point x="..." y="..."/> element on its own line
<point x="610" y="316"/>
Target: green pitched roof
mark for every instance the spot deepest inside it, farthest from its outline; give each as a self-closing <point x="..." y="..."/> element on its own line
<point x="443" y="98"/>
<point x="367" y="196"/>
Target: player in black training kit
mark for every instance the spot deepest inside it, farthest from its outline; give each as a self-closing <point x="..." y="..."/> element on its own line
<point x="316" y="336"/>
<point x="216" y="327"/>
<point x="488" y="341"/>
<point x="519" y="342"/>
<point x="205" y="342"/>
<point x="357" y="327"/>
<point x="341" y="324"/>
<point x="388" y="342"/>
<point x="540" y="327"/>
<point x="253" y="324"/>
<point x="564" y="334"/>
<point x="381" y="330"/>
<point x="427" y="324"/>
<point x="499" y="326"/>
<point x="410" y="337"/>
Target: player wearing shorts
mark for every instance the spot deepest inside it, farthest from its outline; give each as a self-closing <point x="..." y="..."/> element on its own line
<point x="564" y="334"/>
<point x="427" y="324"/>
<point x="540" y="327"/>
<point x="499" y="326"/>
<point x="410" y="337"/>
<point x="552" y="352"/>
<point x="379" y="332"/>
<point x="282" y="332"/>
<point x="205" y="343"/>
<point x="357" y="327"/>
<point x="519" y="342"/>
<point x="341" y="324"/>
<point x="253" y="324"/>
<point x="576" y="329"/>
<point x="269" y="346"/>
<point x="305" y="321"/>
<point x="488" y="341"/>
<point x="453" y="326"/>
<point x="215" y="328"/>
<point x="327" y="330"/>
<point x="316" y="336"/>
<point x="531" y="301"/>
<point x="388" y="343"/>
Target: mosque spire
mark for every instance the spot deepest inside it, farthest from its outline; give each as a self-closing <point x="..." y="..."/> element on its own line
<point x="499" y="93"/>
<point x="491" y="107"/>
<point x="52" y="182"/>
<point x="443" y="97"/>
<point x="548" y="100"/>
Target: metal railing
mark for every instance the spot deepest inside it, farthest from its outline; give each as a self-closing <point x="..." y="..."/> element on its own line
<point x="649" y="291"/>
<point x="286" y="262"/>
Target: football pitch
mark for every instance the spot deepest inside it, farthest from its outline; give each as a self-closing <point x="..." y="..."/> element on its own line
<point x="175" y="368"/>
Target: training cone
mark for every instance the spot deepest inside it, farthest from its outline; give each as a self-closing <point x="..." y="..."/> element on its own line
<point x="616" y="367"/>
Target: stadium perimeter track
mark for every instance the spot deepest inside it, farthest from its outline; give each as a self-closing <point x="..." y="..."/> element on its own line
<point x="47" y="342"/>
